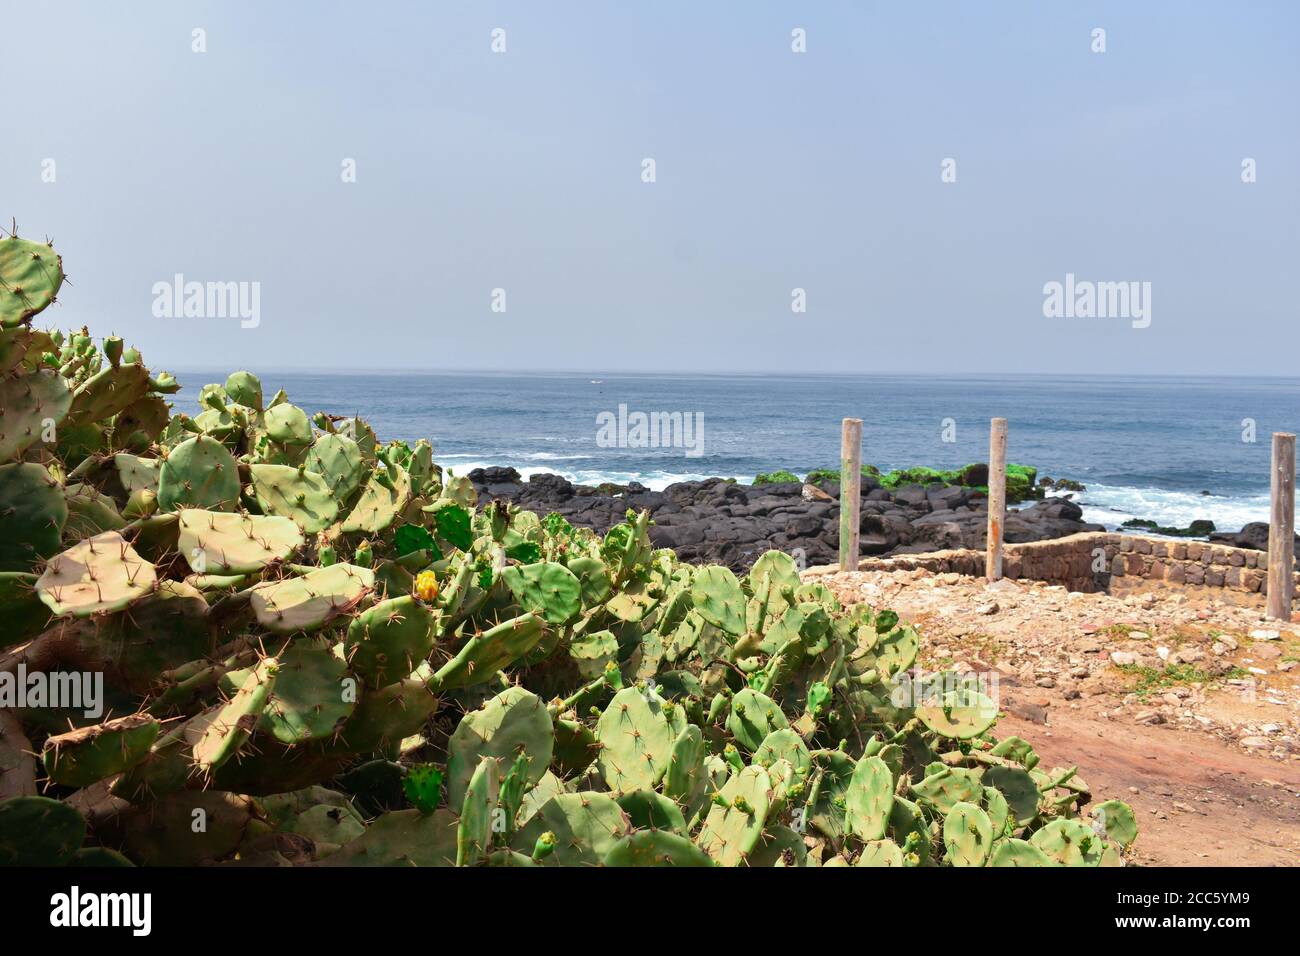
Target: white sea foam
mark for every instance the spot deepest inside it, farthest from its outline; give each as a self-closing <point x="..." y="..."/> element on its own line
<point x="653" y="480"/>
<point x="1112" y="506"/>
<point x="1106" y="505"/>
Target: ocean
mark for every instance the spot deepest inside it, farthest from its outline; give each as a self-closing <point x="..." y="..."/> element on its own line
<point x="1144" y="447"/>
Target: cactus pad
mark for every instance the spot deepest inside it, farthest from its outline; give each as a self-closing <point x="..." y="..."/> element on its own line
<point x="33" y="511"/>
<point x="300" y="495"/>
<point x="545" y="588"/>
<point x="137" y="474"/>
<point x="402" y="838"/>
<point x="310" y="699"/>
<point x="1018" y="853"/>
<point x="513" y="722"/>
<point x="337" y="459"/>
<point x="474" y="832"/>
<point x="783" y="744"/>
<point x="82" y="757"/>
<point x="31" y="274"/>
<point x="586" y="827"/>
<point x="719" y="599"/>
<point x="388" y="641"/>
<point x="486" y="653"/>
<point x="384" y="497"/>
<point x="880" y="853"/>
<point x="288" y="425"/>
<point x="218" y="542"/>
<point x="1069" y="843"/>
<point x="962" y="713"/>
<point x="968" y="835"/>
<point x="1017" y="788"/>
<point x="98" y="575"/>
<point x="636" y="742"/>
<point x="38" y="831"/>
<point x="753" y="717"/>
<point x="244" y="388"/>
<point x="216" y="735"/>
<point x="869" y="799"/>
<point x="1115" y="818"/>
<point x="735" y="823"/>
<point x="34" y="405"/>
<point x="199" y="473"/>
<point x="649" y="810"/>
<point x="950" y="786"/>
<point x="656" y="848"/>
<point x="311" y="601"/>
<point x="384" y="717"/>
<point x="593" y="652"/>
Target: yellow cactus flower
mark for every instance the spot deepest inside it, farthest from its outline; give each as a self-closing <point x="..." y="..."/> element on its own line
<point x="426" y="586"/>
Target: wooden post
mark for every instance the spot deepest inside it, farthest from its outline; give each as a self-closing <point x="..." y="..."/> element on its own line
<point x="997" y="498"/>
<point x="850" y="493"/>
<point x="1281" y="528"/>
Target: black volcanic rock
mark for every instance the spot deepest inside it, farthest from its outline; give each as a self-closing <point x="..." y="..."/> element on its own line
<point x="720" y="521"/>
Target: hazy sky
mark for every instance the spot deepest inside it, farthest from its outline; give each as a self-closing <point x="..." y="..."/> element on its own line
<point x="775" y="170"/>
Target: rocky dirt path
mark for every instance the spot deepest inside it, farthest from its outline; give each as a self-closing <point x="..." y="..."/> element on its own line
<point x="1187" y="708"/>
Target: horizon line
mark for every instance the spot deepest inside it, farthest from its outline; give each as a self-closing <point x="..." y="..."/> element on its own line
<point x="741" y="373"/>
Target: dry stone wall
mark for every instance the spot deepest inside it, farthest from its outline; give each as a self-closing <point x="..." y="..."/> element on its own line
<point x="1106" y="561"/>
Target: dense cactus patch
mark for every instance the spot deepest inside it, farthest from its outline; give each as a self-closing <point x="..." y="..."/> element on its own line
<point x="320" y="643"/>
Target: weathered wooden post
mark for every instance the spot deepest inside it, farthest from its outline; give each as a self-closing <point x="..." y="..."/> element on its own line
<point x="997" y="498"/>
<point x="850" y="492"/>
<point x="1281" y="527"/>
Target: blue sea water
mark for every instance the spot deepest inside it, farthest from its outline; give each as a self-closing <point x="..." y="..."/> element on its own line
<point x="1144" y="447"/>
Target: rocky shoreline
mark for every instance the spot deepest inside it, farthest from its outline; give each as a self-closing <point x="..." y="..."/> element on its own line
<point x="722" y="521"/>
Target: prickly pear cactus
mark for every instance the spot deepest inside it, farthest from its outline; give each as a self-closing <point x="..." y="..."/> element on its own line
<point x="31" y="274"/>
<point x="38" y="831"/>
<point x="32" y="518"/>
<point x="387" y="642"/>
<point x="968" y="835"/>
<point x="215" y="542"/>
<point x="101" y="574"/>
<point x="87" y="755"/>
<point x="869" y="799"/>
<point x="656" y="848"/>
<point x="309" y="602"/>
<point x="636" y="742"/>
<point x="753" y="718"/>
<point x="511" y="723"/>
<point x="330" y="652"/>
<point x="735" y="823"/>
<point x="198" y="473"/>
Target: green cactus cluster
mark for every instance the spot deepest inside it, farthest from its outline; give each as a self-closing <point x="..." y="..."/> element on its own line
<point x="304" y="631"/>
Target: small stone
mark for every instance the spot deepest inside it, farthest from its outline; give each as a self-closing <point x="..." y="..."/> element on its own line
<point x="1046" y="682"/>
<point x="1123" y="658"/>
<point x="1162" y="653"/>
<point x="1255" y="743"/>
<point x="990" y="608"/>
<point x="1265" y="634"/>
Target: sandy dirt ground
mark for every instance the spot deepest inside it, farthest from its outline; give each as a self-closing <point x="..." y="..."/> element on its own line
<point x="1186" y="707"/>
